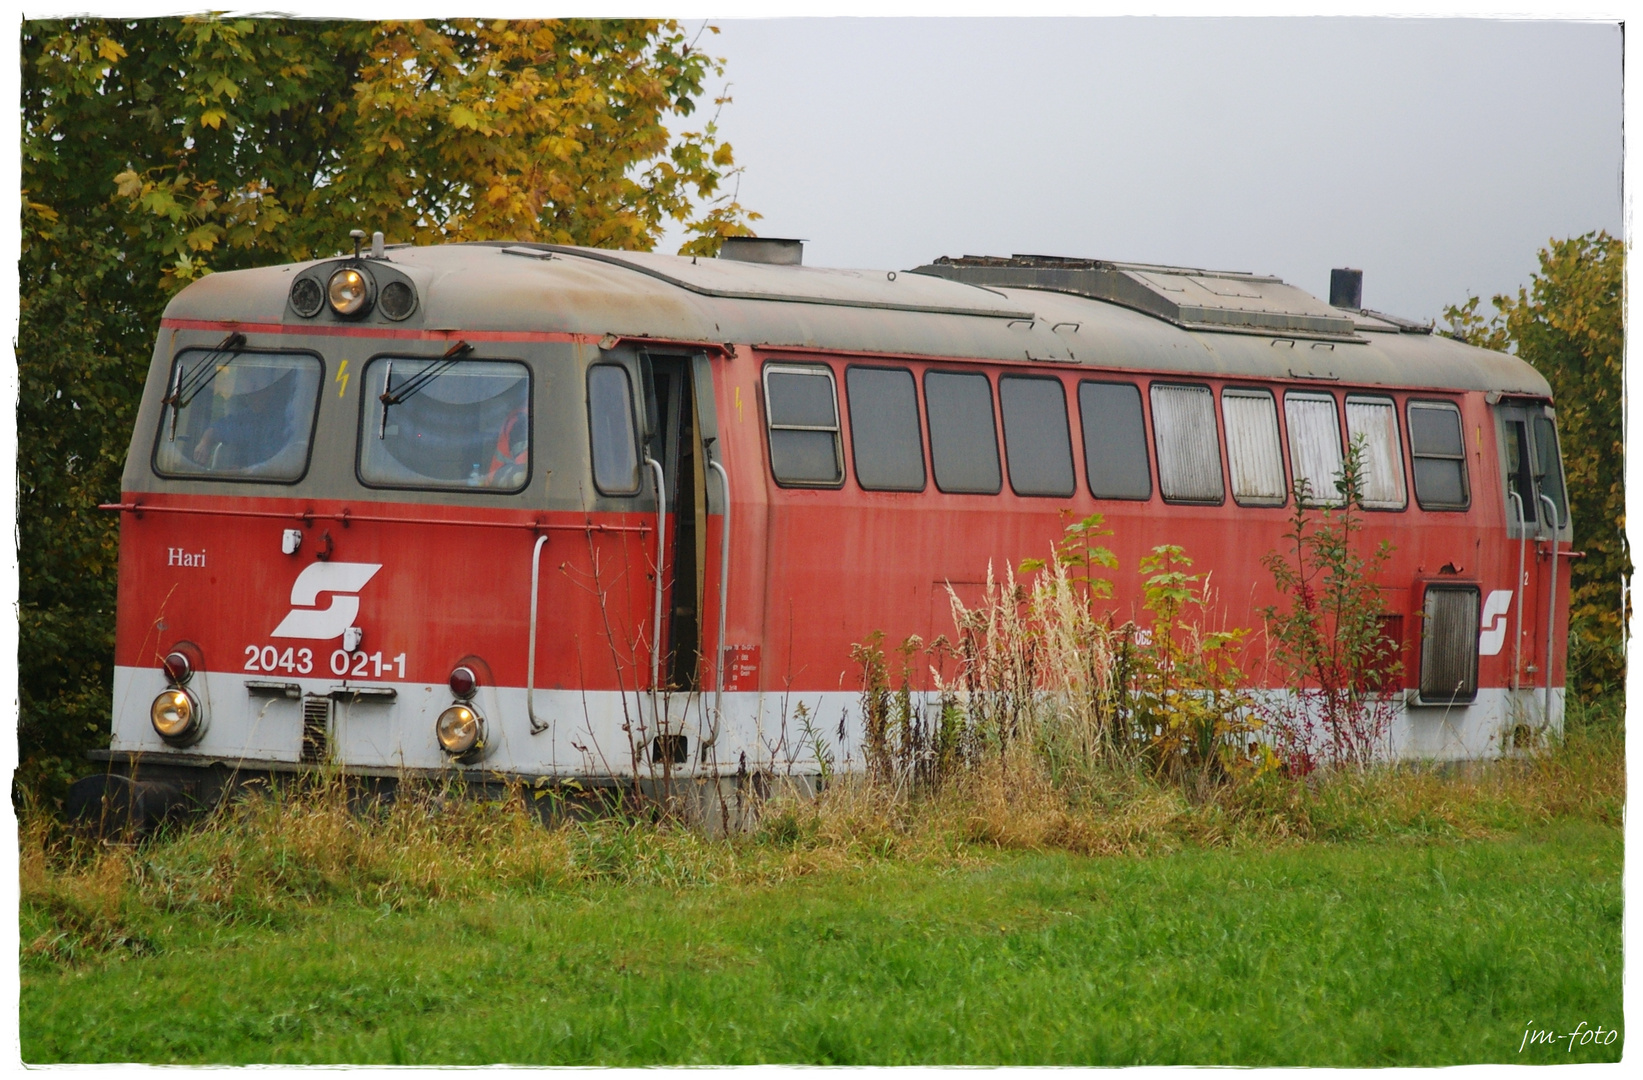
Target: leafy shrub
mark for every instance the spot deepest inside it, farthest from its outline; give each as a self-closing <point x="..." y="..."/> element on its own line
<point x="1329" y="642"/>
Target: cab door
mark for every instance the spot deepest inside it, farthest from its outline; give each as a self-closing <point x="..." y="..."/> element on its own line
<point x="1537" y="522"/>
<point x="674" y="444"/>
<point x="677" y="405"/>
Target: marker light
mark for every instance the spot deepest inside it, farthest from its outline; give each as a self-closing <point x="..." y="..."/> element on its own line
<point x="460" y="731"/>
<point x="177" y="668"/>
<point x="349" y="291"/>
<point x="464" y="682"/>
<point x="176" y="717"/>
<point x="398" y="300"/>
<point x="307" y="297"/>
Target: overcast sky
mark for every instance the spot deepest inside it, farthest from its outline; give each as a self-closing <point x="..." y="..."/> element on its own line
<point x="1436" y="155"/>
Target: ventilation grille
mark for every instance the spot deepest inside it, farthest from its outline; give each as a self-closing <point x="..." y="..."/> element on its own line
<point x="1449" y="644"/>
<point x="316" y="728"/>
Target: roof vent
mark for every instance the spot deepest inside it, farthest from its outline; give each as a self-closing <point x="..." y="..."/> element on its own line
<point x="763" y="249"/>
<point x="1195" y="299"/>
<point x="1346" y="289"/>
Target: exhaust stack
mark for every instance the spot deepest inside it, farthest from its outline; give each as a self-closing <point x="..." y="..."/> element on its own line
<point x="1346" y="289"/>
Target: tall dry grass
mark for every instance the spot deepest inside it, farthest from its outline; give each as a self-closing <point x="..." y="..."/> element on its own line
<point x="1050" y="729"/>
<point x="262" y="860"/>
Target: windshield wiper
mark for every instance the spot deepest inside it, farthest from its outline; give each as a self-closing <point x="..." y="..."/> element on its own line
<point x="416" y="383"/>
<point x="186" y="390"/>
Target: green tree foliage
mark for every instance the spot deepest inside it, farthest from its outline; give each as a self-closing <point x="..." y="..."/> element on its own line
<point x="1568" y="325"/>
<point x="156" y="151"/>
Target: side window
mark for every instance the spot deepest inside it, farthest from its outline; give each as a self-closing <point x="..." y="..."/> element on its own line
<point x="803" y="413"/>
<point x="238" y="416"/>
<point x="611" y="430"/>
<point x="963" y="440"/>
<point x="1375" y="419"/>
<point x="1037" y="443"/>
<point x="1254" y="454"/>
<point x="1549" y="469"/>
<point x="1115" y="441"/>
<point x="886" y="441"/>
<point x="1314" y="445"/>
<point x="1519" y="475"/>
<point x="1189" y="452"/>
<point x="1439" y="454"/>
<point x="432" y="422"/>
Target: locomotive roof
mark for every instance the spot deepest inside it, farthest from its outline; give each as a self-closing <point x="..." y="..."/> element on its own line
<point x="1099" y="314"/>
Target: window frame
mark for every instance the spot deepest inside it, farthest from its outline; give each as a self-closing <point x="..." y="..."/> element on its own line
<point x="1465" y="472"/>
<point x="1147" y="450"/>
<point x="1397" y="422"/>
<point x="1218" y="441"/>
<point x="1334" y="499"/>
<point x="633" y="419"/>
<point x="918" y="419"/>
<point x="364" y="427"/>
<point x="1279" y="427"/>
<point x="1564" y="528"/>
<point x="1004" y="434"/>
<point x="992" y="406"/>
<point x="809" y="368"/>
<point x="313" y="424"/>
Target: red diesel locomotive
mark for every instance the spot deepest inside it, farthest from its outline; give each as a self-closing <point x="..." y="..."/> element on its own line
<point x="522" y="511"/>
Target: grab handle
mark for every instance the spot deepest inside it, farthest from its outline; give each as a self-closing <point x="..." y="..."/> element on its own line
<point x="1551" y="602"/>
<point x="537" y="726"/>
<point x="661" y="554"/>
<point x="1517" y="639"/>
<point x="724" y="600"/>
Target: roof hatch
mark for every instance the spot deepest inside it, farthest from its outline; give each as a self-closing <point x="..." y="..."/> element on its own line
<point x="1193" y="299"/>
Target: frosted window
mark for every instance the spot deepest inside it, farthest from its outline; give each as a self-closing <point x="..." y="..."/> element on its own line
<point x="1314" y="446"/>
<point x="1254" y="454"/>
<point x="1189" y="453"/>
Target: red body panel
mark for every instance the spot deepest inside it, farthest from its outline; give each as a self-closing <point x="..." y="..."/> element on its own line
<point x="812" y="571"/>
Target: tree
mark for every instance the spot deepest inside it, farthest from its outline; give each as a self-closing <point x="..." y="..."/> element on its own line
<point x="1568" y="325"/>
<point x="157" y="151"/>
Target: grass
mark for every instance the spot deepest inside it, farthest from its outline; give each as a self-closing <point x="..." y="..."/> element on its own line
<point x="1334" y="954"/>
<point x="1398" y="916"/>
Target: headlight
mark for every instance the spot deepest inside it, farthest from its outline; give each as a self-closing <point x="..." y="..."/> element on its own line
<point x="349" y="291"/>
<point x="460" y="731"/>
<point x="176" y="717"/>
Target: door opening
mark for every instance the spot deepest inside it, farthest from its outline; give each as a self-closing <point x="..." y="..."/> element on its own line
<point x="676" y="446"/>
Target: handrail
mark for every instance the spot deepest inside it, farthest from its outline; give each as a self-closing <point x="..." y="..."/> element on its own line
<point x="347" y="517"/>
<point x="661" y="555"/>
<point x="724" y="600"/>
<point x="537" y="726"/>
<point x="1551" y="603"/>
<point x="1517" y="637"/>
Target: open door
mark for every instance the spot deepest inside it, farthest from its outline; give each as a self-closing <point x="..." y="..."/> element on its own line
<point x="673" y="448"/>
<point x="1537" y="515"/>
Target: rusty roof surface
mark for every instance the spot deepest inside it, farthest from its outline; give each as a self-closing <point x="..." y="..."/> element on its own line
<point x="535" y="287"/>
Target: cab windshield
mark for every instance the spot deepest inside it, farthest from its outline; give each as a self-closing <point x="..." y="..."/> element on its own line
<point x="432" y="422"/>
<point x="238" y="415"/>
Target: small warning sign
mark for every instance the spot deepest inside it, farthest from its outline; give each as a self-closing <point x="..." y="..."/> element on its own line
<point x="741" y="667"/>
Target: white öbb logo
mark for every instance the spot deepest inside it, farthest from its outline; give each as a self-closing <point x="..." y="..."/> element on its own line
<point x="320" y="624"/>
<point x="1492" y="634"/>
